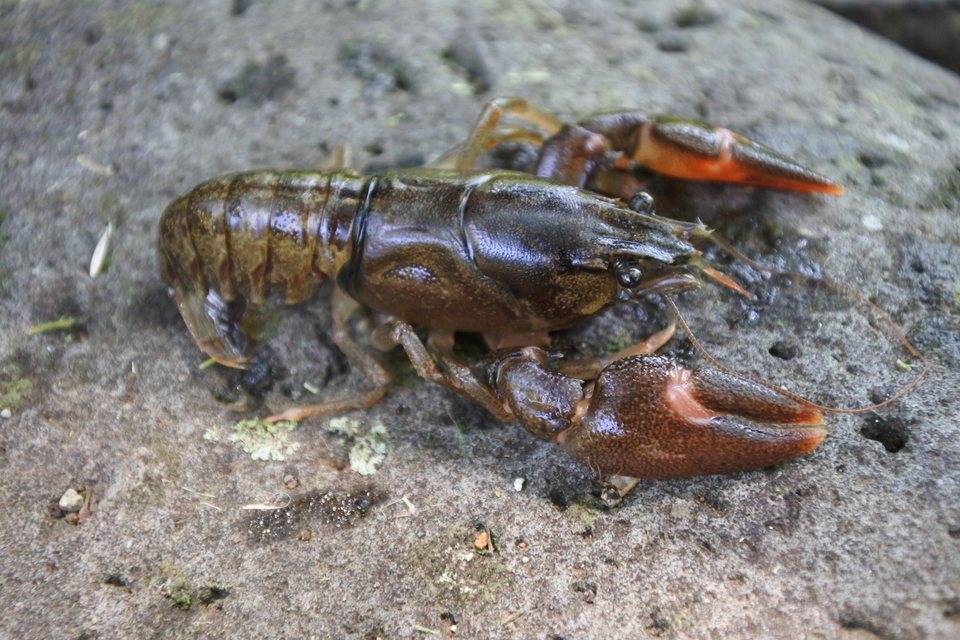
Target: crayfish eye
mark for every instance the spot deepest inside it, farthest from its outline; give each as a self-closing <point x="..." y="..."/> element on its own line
<point x="629" y="275"/>
<point x="642" y="202"/>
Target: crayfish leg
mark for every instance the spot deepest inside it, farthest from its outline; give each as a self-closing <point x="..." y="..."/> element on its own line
<point x="590" y="368"/>
<point x="342" y="307"/>
<point x="484" y="133"/>
<point x="454" y="375"/>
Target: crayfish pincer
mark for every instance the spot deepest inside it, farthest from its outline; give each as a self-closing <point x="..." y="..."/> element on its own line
<point x="508" y="255"/>
<point x="645" y="416"/>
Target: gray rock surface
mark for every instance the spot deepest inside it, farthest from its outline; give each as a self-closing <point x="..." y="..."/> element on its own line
<point x="930" y="28"/>
<point x="110" y="110"/>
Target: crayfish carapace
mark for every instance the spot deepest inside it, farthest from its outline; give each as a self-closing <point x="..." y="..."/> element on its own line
<point x="508" y="255"/>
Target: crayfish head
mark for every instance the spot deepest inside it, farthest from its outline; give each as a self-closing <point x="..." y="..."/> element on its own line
<point x="651" y="254"/>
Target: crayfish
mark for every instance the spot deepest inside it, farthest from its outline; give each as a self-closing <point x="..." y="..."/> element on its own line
<point x="509" y="255"/>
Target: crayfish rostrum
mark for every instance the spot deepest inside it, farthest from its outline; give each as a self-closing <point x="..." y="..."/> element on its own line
<point x="511" y="256"/>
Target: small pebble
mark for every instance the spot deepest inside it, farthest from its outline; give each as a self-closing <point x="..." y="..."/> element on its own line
<point x="6" y="414"/>
<point x="71" y="501"/>
<point x="161" y="41"/>
<point x="871" y="223"/>
<point x="482" y="540"/>
<point x="518" y="484"/>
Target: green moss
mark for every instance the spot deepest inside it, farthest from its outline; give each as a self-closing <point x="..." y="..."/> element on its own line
<point x="139" y="17"/>
<point x="176" y="586"/>
<point x="14" y="387"/>
<point x="618" y="342"/>
<point x="19" y="59"/>
<point x="181" y="597"/>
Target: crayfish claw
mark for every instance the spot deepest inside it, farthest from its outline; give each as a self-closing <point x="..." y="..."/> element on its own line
<point x="651" y="418"/>
<point x="646" y="416"/>
<point x="699" y="151"/>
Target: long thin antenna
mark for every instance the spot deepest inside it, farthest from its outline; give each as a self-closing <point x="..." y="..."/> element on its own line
<point x="726" y="246"/>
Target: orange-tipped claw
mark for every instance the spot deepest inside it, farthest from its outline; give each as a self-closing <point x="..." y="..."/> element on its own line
<point x="648" y="417"/>
<point x="699" y="151"/>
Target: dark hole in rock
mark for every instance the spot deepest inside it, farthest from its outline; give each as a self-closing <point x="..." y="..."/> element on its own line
<point x="116" y="580"/>
<point x="784" y="350"/>
<point x="694" y="15"/>
<point x="558" y="498"/>
<point x="92" y="35"/>
<point x="240" y="6"/>
<point x="672" y="44"/>
<point x="206" y="595"/>
<point x="463" y="54"/>
<point x="892" y="433"/>
<point x="448" y="617"/>
<point x="258" y="83"/>
<point x="872" y="159"/>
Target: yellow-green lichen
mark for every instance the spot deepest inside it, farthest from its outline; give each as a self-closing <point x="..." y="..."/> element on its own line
<point x="585" y="513"/>
<point x="265" y="440"/>
<point x="367" y="452"/>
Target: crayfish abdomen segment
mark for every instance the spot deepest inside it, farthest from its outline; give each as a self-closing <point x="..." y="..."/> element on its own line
<point x="248" y="242"/>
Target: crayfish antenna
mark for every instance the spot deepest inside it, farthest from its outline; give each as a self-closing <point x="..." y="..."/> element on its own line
<point x="726" y="246"/>
<point x="718" y="276"/>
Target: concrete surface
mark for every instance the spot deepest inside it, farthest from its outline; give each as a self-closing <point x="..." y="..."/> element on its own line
<point x="108" y="110"/>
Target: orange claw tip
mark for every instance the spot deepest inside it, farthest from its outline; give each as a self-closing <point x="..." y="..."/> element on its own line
<point x="698" y="151"/>
<point x="832" y="189"/>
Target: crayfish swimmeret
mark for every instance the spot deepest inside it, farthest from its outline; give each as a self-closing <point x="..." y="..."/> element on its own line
<point x="511" y="256"/>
